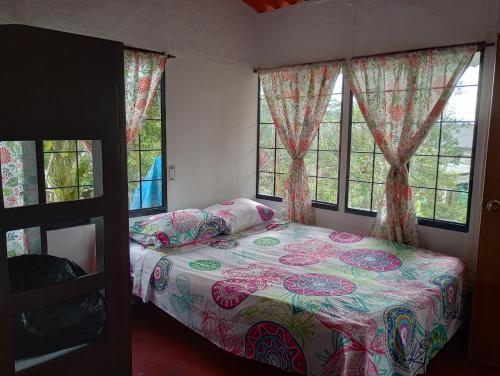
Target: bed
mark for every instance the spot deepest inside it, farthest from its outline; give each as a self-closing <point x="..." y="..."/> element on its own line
<point x="308" y="299"/>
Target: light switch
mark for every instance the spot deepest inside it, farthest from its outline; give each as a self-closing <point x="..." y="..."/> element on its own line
<point x="171" y="173"/>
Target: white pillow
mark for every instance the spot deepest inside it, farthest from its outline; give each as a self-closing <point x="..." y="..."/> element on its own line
<point x="241" y="213"/>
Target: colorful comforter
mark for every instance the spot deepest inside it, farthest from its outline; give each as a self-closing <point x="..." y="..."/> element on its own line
<point x="309" y="299"/>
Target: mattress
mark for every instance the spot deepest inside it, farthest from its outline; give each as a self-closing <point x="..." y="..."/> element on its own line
<point x="308" y="299"/>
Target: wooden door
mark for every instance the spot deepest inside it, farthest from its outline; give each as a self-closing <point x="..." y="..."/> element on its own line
<point x="485" y="329"/>
<point x="60" y="86"/>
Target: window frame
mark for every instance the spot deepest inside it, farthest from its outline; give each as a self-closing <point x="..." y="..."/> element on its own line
<point x="164" y="207"/>
<point x="436" y="223"/>
<point x="315" y="203"/>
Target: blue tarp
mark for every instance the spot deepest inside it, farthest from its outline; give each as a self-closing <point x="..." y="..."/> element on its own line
<point x="152" y="193"/>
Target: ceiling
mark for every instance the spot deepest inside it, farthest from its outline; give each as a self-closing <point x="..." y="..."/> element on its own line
<point x="262" y="6"/>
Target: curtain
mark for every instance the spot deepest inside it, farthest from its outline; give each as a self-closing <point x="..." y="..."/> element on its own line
<point x="143" y="73"/>
<point x="400" y="97"/>
<point x="297" y="97"/>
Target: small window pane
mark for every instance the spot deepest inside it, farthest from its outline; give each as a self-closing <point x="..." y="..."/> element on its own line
<point x="423" y="172"/>
<point x="133" y="166"/>
<point x="451" y="206"/>
<point x="334" y="109"/>
<point x="151" y="135"/>
<point x="461" y="105"/>
<point x="431" y="142"/>
<point x="86" y="192"/>
<point x="381" y="169"/>
<point x="361" y="138"/>
<point x="60" y="169"/>
<point x="154" y="111"/>
<point x="454" y="173"/>
<point x="310" y="161"/>
<point x="361" y="167"/>
<point x="147" y="169"/>
<point x="423" y="200"/>
<point x="85" y="169"/>
<point x="357" y="116"/>
<point x="359" y="195"/>
<point x="327" y="190"/>
<point x="61" y="194"/>
<point x="134" y="194"/>
<point x="266" y="135"/>
<point x="471" y="74"/>
<point x="329" y="136"/>
<point x="337" y="89"/>
<point x="266" y="160"/>
<point x="283" y="161"/>
<point x="266" y="182"/>
<point x="265" y="114"/>
<point x="280" y="185"/>
<point x="152" y="194"/>
<point x="59" y="145"/>
<point x="328" y="164"/>
<point x="457" y="139"/>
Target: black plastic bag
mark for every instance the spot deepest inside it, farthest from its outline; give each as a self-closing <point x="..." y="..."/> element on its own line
<point x="52" y="328"/>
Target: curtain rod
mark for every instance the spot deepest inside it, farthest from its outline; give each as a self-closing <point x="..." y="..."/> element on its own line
<point x="480" y="46"/>
<point x="150" y="51"/>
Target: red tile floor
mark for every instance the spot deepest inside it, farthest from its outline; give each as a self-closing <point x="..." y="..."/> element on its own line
<point x="163" y="347"/>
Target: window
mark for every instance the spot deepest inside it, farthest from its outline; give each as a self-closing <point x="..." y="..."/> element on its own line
<point x="441" y="169"/>
<point x="322" y="160"/>
<point x="146" y="161"/>
<point x="68" y="171"/>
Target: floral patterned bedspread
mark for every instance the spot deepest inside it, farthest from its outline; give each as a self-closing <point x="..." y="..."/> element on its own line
<point x="308" y="299"/>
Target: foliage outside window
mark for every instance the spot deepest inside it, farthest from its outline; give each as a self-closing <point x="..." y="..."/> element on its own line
<point x="322" y="160"/>
<point x="440" y="171"/>
<point x="145" y="160"/>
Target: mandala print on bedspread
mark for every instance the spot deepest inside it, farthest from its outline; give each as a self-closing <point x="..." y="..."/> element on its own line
<point x="159" y="278"/>
<point x="205" y="265"/>
<point x="309" y="252"/>
<point x="269" y="342"/>
<point x="371" y="259"/>
<point x="400" y="323"/>
<point x="230" y="293"/>
<point x="277" y="226"/>
<point x="345" y="237"/>
<point x="224" y="244"/>
<point x="313" y="284"/>
<point x="449" y="291"/>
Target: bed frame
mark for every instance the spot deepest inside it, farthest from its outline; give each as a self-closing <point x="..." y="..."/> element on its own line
<point x="60" y="86"/>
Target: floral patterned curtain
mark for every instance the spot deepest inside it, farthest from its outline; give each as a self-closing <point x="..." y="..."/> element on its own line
<point x="297" y="97"/>
<point x="400" y="97"/>
<point x="143" y="73"/>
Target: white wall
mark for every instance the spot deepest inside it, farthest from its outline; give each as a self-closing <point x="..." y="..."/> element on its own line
<point x="335" y="29"/>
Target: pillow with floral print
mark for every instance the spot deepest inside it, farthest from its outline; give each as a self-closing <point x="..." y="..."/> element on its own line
<point x="177" y="228"/>
<point x="241" y="213"/>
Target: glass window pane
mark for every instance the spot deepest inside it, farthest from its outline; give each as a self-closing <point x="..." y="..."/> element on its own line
<point x="266" y="136"/>
<point x="310" y="161"/>
<point x="454" y="173"/>
<point x="266" y="183"/>
<point x="265" y="114"/>
<point x="151" y="135"/>
<point x="334" y="109"/>
<point x="23" y="241"/>
<point x="431" y="142"/>
<point x="461" y="105"/>
<point x="279" y="144"/>
<point x="18" y="173"/>
<point x="85" y="169"/>
<point x="60" y="169"/>
<point x="280" y="185"/>
<point x="451" y="206"/>
<point x="381" y="169"/>
<point x="134" y="196"/>
<point x="266" y="160"/>
<point x="133" y="165"/>
<point x="423" y="171"/>
<point x="154" y="111"/>
<point x="471" y="74"/>
<point x="359" y="195"/>
<point x="312" y="188"/>
<point x="357" y="116"/>
<point x="423" y="200"/>
<point x="361" y="138"/>
<point x="361" y="167"/>
<point x="61" y="194"/>
<point x="327" y="190"/>
<point x="152" y="194"/>
<point x="457" y="139"/>
<point x="283" y="161"/>
<point x="59" y="145"/>
<point x="329" y="134"/>
<point x="328" y="164"/>
<point x="86" y="192"/>
<point x="148" y="170"/>
<point x="337" y="89"/>
<point x="378" y="196"/>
